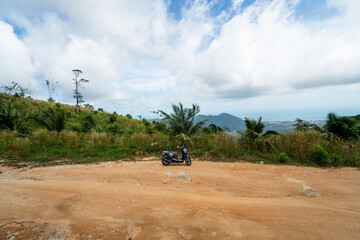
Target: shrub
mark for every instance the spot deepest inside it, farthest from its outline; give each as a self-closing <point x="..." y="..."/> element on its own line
<point x="113" y="128"/>
<point x="320" y="155"/>
<point x="22" y="147"/>
<point x="100" y="139"/>
<point x="87" y="123"/>
<point x="335" y="159"/>
<point x="24" y="130"/>
<point x="70" y="138"/>
<point x="8" y="140"/>
<point x="45" y="137"/>
<point x="283" y="157"/>
<point x="113" y="118"/>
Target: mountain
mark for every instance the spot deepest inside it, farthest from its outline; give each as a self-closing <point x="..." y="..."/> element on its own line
<point x="235" y="123"/>
<point x="223" y="120"/>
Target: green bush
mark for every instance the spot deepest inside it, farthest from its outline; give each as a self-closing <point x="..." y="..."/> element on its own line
<point x="70" y="138"/>
<point x="335" y="159"/>
<point x="45" y="138"/>
<point x="320" y="155"/>
<point x="283" y="157"/>
<point x="8" y="140"/>
<point x="100" y="139"/>
<point x="22" y="147"/>
<point x="87" y="123"/>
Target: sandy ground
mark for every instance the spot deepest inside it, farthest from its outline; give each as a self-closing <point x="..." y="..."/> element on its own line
<point x="208" y="200"/>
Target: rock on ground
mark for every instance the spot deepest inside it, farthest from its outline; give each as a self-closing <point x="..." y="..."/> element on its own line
<point x="181" y="177"/>
<point x="308" y="191"/>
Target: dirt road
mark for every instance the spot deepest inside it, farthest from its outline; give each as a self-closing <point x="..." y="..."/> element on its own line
<point x="145" y="200"/>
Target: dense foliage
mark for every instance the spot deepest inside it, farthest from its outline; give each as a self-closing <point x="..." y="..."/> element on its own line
<point x="38" y="130"/>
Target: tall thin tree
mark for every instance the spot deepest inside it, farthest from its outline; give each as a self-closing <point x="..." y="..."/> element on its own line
<point x="77" y="94"/>
<point x="51" y="86"/>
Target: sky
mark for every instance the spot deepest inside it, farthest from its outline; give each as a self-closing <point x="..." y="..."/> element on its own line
<point x="279" y="59"/>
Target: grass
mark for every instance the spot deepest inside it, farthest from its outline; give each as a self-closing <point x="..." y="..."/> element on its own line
<point x="306" y="148"/>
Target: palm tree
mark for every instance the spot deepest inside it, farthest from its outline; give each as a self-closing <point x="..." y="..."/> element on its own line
<point x="344" y="127"/>
<point x="254" y="128"/>
<point x="182" y="120"/>
<point x="8" y="117"/>
<point x="52" y="118"/>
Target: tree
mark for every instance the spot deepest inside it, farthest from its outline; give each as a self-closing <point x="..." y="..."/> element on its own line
<point x="148" y="126"/>
<point x="343" y="127"/>
<point x="15" y="89"/>
<point x="9" y="119"/>
<point x="87" y="122"/>
<point x="77" y="95"/>
<point x="254" y="128"/>
<point x="12" y="89"/>
<point x="51" y="86"/>
<point x="301" y="125"/>
<point x="182" y="120"/>
<point x="89" y="106"/>
<point x="213" y="128"/>
<point x="160" y="126"/>
<point x="113" y="117"/>
<point x="52" y="118"/>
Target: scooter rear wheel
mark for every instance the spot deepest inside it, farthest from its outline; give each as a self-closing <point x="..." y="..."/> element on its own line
<point x="165" y="162"/>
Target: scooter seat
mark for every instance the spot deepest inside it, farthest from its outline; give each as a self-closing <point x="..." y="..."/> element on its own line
<point x="171" y="154"/>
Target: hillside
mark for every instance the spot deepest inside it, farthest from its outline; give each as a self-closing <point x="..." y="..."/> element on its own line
<point x="26" y="110"/>
<point x="223" y="120"/>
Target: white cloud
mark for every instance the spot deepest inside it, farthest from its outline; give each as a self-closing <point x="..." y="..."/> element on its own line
<point x="266" y="48"/>
<point x="137" y="56"/>
<point x="15" y="58"/>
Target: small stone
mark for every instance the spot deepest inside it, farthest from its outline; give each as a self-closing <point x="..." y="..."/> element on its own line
<point x="182" y="177"/>
<point x="8" y="232"/>
<point x="12" y="238"/>
<point x="133" y="201"/>
<point x="309" y="191"/>
<point x="17" y="233"/>
<point x="166" y="181"/>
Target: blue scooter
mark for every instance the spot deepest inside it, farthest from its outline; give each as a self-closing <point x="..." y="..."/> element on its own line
<point x="170" y="157"/>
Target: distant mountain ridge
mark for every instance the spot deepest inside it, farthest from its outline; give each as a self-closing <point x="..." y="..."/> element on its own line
<point x="223" y="120"/>
<point x="238" y="124"/>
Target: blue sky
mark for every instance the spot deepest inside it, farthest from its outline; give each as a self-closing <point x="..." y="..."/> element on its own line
<point x="281" y="59"/>
<point x="307" y="9"/>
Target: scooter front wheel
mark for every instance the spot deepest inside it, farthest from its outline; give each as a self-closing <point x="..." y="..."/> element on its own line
<point x="188" y="161"/>
<point x="165" y="162"/>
